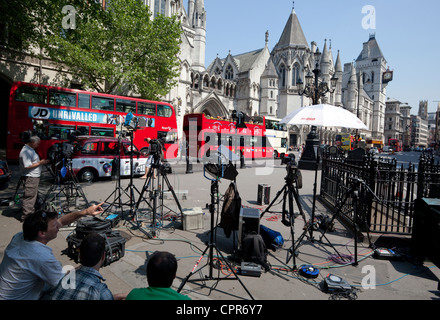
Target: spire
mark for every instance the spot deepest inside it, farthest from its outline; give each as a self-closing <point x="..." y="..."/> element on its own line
<point x="293" y="34"/>
<point x="338" y="65"/>
<point x="325" y="54"/>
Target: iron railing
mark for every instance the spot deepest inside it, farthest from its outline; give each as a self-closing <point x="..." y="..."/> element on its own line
<point x="385" y="191"/>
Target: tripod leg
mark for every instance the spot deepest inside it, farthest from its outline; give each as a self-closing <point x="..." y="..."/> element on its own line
<point x="170" y="187"/>
<point x="192" y="271"/>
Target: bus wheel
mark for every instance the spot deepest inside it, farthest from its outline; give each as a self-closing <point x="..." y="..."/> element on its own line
<point x="87" y="175"/>
<point x="275" y="154"/>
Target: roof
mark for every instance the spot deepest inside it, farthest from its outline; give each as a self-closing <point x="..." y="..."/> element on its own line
<point x="245" y="61"/>
<point x="293" y="34"/>
<point x="373" y="50"/>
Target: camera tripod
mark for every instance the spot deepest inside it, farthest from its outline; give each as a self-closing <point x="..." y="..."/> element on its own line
<point x="129" y="191"/>
<point x="290" y="193"/>
<point x="353" y="191"/>
<point x="67" y="184"/>
<point x="158" y="168"/>
<point x="211" y="246"/>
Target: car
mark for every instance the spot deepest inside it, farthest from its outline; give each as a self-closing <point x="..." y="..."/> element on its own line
<point x="374" y="150"/>
<point x="387" y="149"/>
<point x="94" y="157"/>
<point x="5" y="174"/>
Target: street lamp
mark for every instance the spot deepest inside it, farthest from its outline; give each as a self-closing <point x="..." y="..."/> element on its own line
<point x="315" y="90"/>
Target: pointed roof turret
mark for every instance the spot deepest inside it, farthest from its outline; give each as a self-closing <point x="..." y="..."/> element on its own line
<point x="371" y="49"/>
<point x="293" y="34"/>
<point x="325" y="56"/>
<point x="270" y="71"/>
<point x="338" y="65"/>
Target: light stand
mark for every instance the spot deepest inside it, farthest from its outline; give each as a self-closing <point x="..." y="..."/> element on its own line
<point x="212" y="245"/>
<point x="116" y="173"/>
<point x="131" y="187"/>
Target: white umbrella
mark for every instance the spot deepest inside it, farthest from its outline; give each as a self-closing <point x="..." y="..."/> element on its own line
<point x="324" y="115"/>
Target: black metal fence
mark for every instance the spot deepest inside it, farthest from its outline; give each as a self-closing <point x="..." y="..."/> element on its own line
<point x="376" y="192"/>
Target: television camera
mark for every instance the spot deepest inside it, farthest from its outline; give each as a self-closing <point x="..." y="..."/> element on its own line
<point x="293" y="173"/>
<point x="64" y="150"/>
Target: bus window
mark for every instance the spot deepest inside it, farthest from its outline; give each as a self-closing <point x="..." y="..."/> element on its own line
<point x="168" y="137"/>
<point x="164" y="111"/>
<point x="82" y="131"/>
<point x="126" y="106"/>
<point x="148" y="109"/>
<point x="60" y="98"/>
<point x="60" y="132"/>
<point x="102" y="132"/>
<point x="83" y="101"/>
<point x="31" y="94"/>
<point x="101" y="103"/>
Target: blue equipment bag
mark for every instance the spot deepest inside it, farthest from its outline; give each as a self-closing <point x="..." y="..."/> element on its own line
<point x="273" y="239"/>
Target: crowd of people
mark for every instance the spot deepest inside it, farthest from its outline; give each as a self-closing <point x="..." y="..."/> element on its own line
<point x="30" y="271"/>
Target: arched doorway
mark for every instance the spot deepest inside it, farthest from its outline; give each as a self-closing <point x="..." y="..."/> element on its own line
<point x="5" y="87"/>
<point x="214" y="108"/>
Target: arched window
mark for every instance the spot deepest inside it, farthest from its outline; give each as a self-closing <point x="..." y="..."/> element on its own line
<point x="282" y="71"/>
<point x="229" y="73"/>
<point x="295" y="74"/>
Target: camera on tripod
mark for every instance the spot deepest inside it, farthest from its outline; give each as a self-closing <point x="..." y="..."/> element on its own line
<point x="156" y="150"/>
<point x="293" y="173"/>
<point x="64" y="150"/>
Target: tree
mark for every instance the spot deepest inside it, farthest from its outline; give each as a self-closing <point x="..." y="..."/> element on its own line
<point x="117" y="50"/>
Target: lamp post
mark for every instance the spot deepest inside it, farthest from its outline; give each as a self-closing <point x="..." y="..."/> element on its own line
<point x="315" y="90"/>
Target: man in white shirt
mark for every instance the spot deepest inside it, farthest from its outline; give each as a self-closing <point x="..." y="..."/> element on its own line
<point x="29" y="265"/>
<point x="30" y="165"/>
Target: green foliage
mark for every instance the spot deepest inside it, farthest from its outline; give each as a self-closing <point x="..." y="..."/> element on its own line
<point x="118" y="50"/>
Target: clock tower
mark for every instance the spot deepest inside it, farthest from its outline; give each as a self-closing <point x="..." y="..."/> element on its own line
<point x="372" y="65"/>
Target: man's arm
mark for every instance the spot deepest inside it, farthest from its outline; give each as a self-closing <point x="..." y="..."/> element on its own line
<point x="69" y="218"/>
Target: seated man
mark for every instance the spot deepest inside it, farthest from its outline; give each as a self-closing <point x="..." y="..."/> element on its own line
<point x="28" y="263"/>
<point x="161" y="271"/>
<point x="88" y="281"/>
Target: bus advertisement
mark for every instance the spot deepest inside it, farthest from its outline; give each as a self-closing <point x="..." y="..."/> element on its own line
<point x="205" y="134"/>
<point x="277" y="135"/>
<point x="54" y="113"/>
<point x="348" y="142"/>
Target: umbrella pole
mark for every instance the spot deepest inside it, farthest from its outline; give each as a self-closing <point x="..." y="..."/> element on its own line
<point x="314" y="194"/>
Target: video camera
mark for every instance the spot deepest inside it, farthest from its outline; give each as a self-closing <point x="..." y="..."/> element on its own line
<point x="156" y="149"/>
<point x="293" y="173"/>
<point x="64" y="150"/>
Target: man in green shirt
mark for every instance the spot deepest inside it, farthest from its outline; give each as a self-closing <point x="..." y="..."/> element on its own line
<point x="161" y="271"/>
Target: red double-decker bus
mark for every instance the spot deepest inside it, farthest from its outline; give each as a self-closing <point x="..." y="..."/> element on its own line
<point x="204" y="133"/>
<point x="53" y="113"/>
<point x="395" y="144"/>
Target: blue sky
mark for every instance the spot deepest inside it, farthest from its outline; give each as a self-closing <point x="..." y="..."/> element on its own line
<point x="407" y="32"/>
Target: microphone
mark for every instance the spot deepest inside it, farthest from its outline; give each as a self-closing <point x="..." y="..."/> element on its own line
<point x="128" y="119"/>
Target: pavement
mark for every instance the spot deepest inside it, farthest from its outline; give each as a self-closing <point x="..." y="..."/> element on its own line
<point x="366" y="277"/>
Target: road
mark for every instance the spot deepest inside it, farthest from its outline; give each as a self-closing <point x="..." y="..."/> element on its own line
<point x="405" y="158"/>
